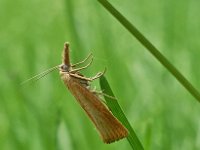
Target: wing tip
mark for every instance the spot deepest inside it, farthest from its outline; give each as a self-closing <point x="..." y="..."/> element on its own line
<point x="116" y="136"/>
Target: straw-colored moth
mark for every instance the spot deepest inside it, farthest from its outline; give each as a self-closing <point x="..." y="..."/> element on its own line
<point x="108" y="126"/>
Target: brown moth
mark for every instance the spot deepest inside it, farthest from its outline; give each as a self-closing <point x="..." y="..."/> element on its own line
<point x="105" y="122"/>
<point x="108" y="126"/>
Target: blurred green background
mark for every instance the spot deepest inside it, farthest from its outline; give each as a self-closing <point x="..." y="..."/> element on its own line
<point x="45" y="115"/>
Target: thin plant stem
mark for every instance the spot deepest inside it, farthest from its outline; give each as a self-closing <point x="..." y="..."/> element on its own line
<point x="152" y="49"/>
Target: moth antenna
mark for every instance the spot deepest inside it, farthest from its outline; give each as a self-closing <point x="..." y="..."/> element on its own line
<point x="40" y="75"/>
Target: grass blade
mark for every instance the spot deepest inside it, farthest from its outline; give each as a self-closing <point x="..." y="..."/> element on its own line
<point x="114" y="106"/>
<point x="152" y="49"/>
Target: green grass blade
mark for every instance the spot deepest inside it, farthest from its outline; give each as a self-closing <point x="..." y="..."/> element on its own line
<point x="152" y="49"/>
<point x="114" y="106"/>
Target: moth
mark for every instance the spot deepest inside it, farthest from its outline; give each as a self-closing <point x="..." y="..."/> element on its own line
<point x="108" y="126"/>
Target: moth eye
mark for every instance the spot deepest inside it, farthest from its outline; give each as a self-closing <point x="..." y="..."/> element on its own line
<point x="64" y="68"/>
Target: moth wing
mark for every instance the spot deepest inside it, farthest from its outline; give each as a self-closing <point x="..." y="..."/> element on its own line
<point x="108" y="126"/>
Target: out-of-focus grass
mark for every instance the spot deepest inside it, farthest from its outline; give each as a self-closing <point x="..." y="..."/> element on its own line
<point x="46" y="116"/>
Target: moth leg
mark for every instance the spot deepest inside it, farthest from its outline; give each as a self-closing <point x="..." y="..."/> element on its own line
<point x="81" y="68"/>
<point x="84" y="83"/>
<point x="94" y="89"/>
<point x="106" y="95"/>
<point x="80" y="77"/>
<point x="98" y="75"/>
<point x="83" y="61"/>
<point x="96" y="92"/>
<point x="101" y="93"/>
